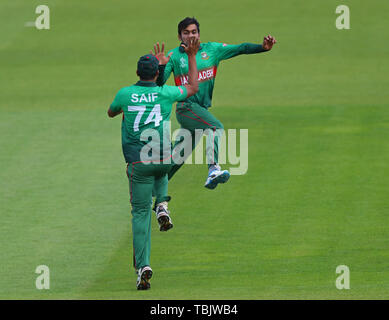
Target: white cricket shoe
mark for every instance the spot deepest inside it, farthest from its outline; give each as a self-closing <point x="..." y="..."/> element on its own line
<point x="216" y="176"/>
<point x="163" y="217"/>
<point x="144" y="276"/>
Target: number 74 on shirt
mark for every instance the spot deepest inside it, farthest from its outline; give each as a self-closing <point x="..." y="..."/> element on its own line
<point x="154" y="116"/>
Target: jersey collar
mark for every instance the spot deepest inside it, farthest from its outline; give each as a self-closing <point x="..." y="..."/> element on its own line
<point x="146" y="84"/>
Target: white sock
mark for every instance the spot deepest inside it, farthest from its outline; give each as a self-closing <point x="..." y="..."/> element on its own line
<point x="163" y="204"/>
<point x="213" y="167"/>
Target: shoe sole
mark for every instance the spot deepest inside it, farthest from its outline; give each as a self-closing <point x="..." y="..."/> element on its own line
<point x="164" y="223"/>
<point x="144" y="280"/>
<point x="223" y="178"/>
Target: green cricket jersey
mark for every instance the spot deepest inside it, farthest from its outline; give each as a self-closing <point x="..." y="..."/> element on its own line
<point x="145" y="106"/>
<point x="208" y="58"/>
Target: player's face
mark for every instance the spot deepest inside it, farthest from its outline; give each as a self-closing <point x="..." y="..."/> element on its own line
<point x="188" y="33"/>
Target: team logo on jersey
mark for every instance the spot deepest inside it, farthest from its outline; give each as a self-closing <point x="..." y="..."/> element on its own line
<point x="183" y="62"/>
<point x="204" y="56"/>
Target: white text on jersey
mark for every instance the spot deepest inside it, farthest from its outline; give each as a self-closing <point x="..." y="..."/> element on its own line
<point x="151" y="97"/>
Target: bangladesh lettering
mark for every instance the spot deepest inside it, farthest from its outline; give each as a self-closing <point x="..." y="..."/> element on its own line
<point x="203" y="75"/>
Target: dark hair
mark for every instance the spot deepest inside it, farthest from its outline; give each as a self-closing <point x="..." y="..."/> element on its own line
<point x="147" y="67"/>
<point x="146" y="76"/>
<point x="186" y="22"/>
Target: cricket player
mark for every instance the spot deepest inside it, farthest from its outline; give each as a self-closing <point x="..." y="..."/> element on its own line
<point x="146" y="106"/>
<point x="193" y="113"/>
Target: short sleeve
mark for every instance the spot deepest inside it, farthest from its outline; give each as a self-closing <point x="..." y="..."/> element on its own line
<point x="117" y="103"/>
<point x="178" y="93"/>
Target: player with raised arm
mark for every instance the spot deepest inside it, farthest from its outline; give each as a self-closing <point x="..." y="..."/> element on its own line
<point x="193" y="113"/>
<point x="147" y="106"/>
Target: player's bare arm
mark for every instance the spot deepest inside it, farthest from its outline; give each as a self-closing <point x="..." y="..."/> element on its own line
<point x="191" y="49"/>
<point x="112" y="114"/>
<point x="268" y="42"/>
<point x="159" y="53"/>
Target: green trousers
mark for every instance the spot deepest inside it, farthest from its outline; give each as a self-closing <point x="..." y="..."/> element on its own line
<point x="143" y="178"/>
<point x="192" y="116"/>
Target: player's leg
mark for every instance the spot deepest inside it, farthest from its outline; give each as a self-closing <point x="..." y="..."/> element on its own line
<point x="214" y="131"/>
<point x="140" y="195"/>
<point x="192" y="117"/>
<point x="161" y="201"/>
<point x="185" y="143"/>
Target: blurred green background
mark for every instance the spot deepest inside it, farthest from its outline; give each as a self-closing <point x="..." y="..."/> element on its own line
<point x="316" y="192"/>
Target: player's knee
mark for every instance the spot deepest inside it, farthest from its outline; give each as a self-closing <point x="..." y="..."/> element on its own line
<point x="218" y="128"/>
<point x="218" y="125"/>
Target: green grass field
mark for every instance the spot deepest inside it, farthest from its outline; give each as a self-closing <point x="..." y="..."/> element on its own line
<point x="316" y="192"/>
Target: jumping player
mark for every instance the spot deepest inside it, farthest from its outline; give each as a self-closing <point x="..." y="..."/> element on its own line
<point x="193" y="113"/>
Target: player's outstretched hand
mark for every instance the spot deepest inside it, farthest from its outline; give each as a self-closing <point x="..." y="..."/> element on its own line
<point x="268" y="42"/>
<point x="159" y="53"/>
<point x="192" y="47"/>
